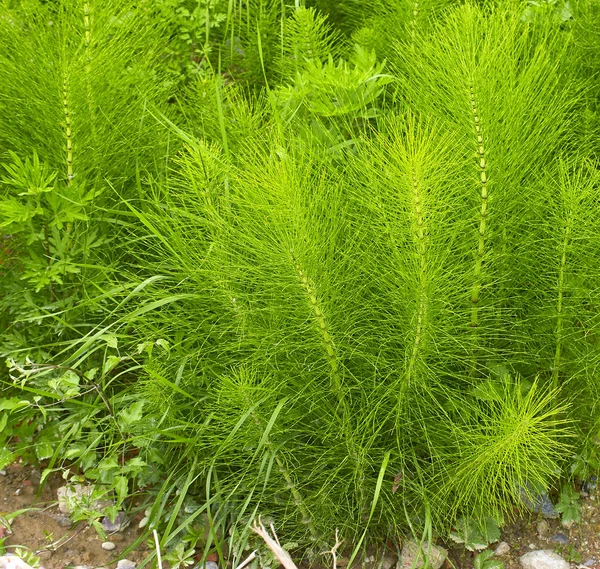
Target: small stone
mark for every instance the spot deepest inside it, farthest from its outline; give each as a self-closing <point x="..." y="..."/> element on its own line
<point x="543" y="559"/>
<point x="542" y="529"/>
<point x="71" y="495"/>
<point x="144" y="522"/>
<point x="567" y="524"/>
<point x="2" y="472"/>
<point x="209" y="565"/>
<point x="590" y="485"/>
<point x="18" y="491"/>
<point x="108" y="546"/>
<point x="538" y="503"/>
<point x="589" y="562"/>
<point x="9" y="561"/>
<point x="502" y="549"/>
<point x="413" y="556"/>
<point x="560" y="538"/>
<point x="389" y="560"/>
<point x="121" y="523"/>
<point x="63" y="520"/>
<point x="126" y="564"/>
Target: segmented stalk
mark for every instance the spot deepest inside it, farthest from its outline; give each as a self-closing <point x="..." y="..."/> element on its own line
<point x="68" y="136"/>
<point x="88" y="69"/>
<point x="559" y="304"/>
<point x="477" y="273"/>
<point x="86" y="23"/>
<point x="419" y="237"/>
<point x="413" y="24"/>
<point x="321" y="325"/>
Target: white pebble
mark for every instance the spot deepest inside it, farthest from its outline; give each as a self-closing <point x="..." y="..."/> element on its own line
<point x="108" y="546"/>
<point x="143" y="522"/>
<point x="502" y="549"/>
<point x="543" y="559"/>
<point x="126" y="564"/>
<point x="2" y="472"/>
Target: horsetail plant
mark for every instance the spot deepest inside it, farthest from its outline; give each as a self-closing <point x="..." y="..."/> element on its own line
<point x="351" y="293"/>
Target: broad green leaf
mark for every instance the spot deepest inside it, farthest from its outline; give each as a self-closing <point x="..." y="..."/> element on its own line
<point x="133" y="413"/>
<point x="121" y="486"/>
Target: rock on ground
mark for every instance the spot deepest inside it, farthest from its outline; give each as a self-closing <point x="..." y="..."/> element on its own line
<point x="72" y="494"/>
<point x="126" y="564"/>
<point x="543" y="559"/>
<point x="108" y="546"/>
<point x="121" y="522"/>
<point x="502" y="549"/>
<point x="13" y="562"/>
<point x="413" y="556"/>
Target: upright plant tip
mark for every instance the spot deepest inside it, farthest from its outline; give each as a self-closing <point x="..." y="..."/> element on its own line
<point x="322" y="326"/>
<point x="419" y="236"/>
<point x="69" y="140"/>
<point x="477" y="273"/>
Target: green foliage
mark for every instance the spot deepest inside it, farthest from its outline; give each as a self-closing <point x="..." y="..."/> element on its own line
<point x="338" y="272"/>
<point x="476" y="535"/>
<point x="569" y="505"/>
<point x="484" y="561"/>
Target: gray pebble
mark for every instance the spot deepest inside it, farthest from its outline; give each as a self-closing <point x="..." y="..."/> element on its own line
<point x="415" y="556"/>
<point x="560" y="538"/>
<point x="2" y="472"/>
<point x="502" y="549"/>
<point x="63" y="520"/>
<point x="537" y="502"/>
<point x="207" y="565"/>
<point x="126" y="564"/>
<point x="108" y="546"/>
<point x="121" y="522"/>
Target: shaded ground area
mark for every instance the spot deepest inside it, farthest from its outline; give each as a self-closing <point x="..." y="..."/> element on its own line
<point x="50" y="535"/>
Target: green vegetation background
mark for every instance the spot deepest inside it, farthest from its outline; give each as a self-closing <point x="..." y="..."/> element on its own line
<point x="337" y="265"/>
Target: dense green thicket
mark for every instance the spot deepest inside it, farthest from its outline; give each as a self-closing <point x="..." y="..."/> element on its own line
<point x="333" y="266"/>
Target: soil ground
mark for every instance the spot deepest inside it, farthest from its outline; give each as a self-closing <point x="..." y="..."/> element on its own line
<point x="79" y="545"/>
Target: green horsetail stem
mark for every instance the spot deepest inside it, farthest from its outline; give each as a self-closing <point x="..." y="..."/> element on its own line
<point x="413" y="23"/>
<point x="88" y="68"/>
<point x="330" y="350"/>
<point x="69" y="140"/>
<point x="559" y="304"/>
<point x="86" y="23"/>
<point x="477" y="276"/>
<point x="419" y="237"/>
<point x="322" y="326"/>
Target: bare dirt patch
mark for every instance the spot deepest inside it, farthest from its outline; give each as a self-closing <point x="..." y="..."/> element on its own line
<point x="49" y="533"/>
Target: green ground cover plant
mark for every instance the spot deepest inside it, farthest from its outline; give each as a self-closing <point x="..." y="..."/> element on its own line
<point x="337" y="267"/>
